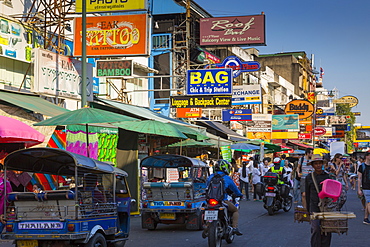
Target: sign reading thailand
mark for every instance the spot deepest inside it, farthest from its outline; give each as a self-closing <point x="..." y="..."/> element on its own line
<point x="233" y="30"/>
<point x="113" y="35"/>
<point x="188" y="112"/>
<point x="113" y="68"/>
<point x="237" y="115"/>
<point x="237" y="65"/>
<point x="247" y="94"/>
<point x="59" y="75"/>
<point x="203" y="101"/>
<point x="109" y="5"/>
<point x="209" y="81"/>
<point x="285" y="122"/>
<point x="301" y="107"/>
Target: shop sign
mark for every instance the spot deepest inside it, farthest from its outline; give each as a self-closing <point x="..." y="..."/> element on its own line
<point x="301" y="107"/>
<point x="209" y="81"/>
<point x="363" y="134"/>
<point x="237" y="115"/>
<point x="226" y="153"/>
<point x="233" y="30"/>
<point x="93" y="6"/>
<point x="247" y="94"/>
<point x="319" y="131"/>
<point x="341" y="119"/>
<point x="58" y="75"/>
<point x="284" y="135"/>
<point x="285" y="122"/>
<point x="204" y="101"/>
<point x="351" y="100"/>
<point x="188" y="112"/>
<point x="237" y="65"/>
<point x="303" y="136"/>
<point x="114" y="68"/>
<point x="357" y="113"/>
<point x="113" y="35"/>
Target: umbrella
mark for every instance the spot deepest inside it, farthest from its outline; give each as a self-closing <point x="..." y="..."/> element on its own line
<point x="190" y="132"/>
<point x="152" y="127"/>
<point x="320" y="151"/>
<point x="190" y="143"/>
<point x="15" y="131"/>
<point x="85" y="116"/>
<point x="244" y="146"/>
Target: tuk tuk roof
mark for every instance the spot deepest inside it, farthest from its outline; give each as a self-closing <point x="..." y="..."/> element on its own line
<point x="171" y="161"/>
<point x="56" y="161"/>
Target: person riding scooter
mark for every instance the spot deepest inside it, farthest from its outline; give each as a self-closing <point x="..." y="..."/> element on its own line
<point x="278" y="169"/>
<point x="223" y="168"/>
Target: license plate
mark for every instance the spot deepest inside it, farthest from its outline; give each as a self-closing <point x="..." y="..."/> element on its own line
<point x="27" y="243"/>
<point x="167" y="216"/>
<point x="210" y="215"/>
<point x="270" y="194"/>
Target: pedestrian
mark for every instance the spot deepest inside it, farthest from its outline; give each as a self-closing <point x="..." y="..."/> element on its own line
<point x="304" y="169"/>
<point x="282" y="160"/>
<point x="287" y="176"/>
<point x="337" y="165"/>
<point x="363" y="185"/>
<point x="244" y="179"/>
<point x="318" y="239"/>
<point x="296" y="183"/>
<point x="256" y="177"/>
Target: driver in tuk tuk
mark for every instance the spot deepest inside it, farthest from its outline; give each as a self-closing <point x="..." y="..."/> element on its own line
<point x="223" y="168"/>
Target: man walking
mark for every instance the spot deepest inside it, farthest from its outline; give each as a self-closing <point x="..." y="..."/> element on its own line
<point x="363" y="188"/>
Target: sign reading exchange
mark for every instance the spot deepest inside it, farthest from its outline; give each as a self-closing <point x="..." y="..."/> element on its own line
<point x="209" y="81"/>
<point x="204" y="101"/>
<point x="303" y="108"/>
<point x="235" y="30"/>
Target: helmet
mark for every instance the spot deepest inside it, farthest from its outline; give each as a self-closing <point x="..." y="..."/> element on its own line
<point x="224" y="166"/>
<point x="277" y="160"/>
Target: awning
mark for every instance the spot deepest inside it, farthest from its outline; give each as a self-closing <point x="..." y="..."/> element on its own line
<point x="223" y="129"/>
<point x="216" y="140"/>
<point x="32" y="102"/>
<point x="299" y="144"/>
<point x="144" y="68"/>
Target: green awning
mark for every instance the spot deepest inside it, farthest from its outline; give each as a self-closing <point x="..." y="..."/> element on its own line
<point x="32" y="103"/>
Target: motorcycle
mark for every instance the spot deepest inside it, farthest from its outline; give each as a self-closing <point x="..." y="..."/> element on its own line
<point x="218" y="221"/>
<point x="276" y="196"/>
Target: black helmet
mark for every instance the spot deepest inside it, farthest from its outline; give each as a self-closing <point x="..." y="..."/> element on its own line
<point x="224" y="166"/>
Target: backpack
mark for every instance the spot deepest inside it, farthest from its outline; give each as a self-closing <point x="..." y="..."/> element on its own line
<point x="365" y="174"/>
<point x="215" y="188"/>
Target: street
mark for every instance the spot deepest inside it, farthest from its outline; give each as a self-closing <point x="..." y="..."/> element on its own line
<point x="258" y="227"/>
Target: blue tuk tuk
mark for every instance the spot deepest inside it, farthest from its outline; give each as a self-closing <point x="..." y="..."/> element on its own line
<point x="92" y="209"/>
<point x="172" y="191"/>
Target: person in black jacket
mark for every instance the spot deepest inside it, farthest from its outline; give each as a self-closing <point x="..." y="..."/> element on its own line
<point x="318" y="239"/>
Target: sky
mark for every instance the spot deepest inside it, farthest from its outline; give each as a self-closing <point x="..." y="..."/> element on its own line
<point x="337" y="32"/>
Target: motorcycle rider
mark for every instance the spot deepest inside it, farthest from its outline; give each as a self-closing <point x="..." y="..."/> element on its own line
<point x="276" y="168"/>
<point x="223" y="168"/>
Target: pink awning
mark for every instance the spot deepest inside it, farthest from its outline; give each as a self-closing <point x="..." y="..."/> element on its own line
<point x="15" y="131"/>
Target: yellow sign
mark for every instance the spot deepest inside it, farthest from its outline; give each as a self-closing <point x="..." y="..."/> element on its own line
<point x="301" y="107"/>
<point x="284" y="135"/>
<point x="319" y="111"/>
<point x="259" y="135"/>
<point x="351" y="100"/>
<point x="109" y="5"/>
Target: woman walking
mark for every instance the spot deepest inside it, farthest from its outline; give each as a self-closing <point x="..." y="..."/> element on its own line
<point x="244" y="179"/>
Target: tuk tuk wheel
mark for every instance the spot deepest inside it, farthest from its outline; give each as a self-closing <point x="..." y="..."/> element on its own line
<point x="98" y="240"/>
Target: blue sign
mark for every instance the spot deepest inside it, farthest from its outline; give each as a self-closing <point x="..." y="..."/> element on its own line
<point x="237" y="115"/>
<point x="209" y="81"/>
<point x="237" y="65"/>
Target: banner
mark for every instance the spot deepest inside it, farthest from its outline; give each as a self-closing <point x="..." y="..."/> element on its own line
<point x="113" y="35"/>
<point x="209" y="81"/>
<point x="188" y="112"/>
<point x="226" y="153"/>
<point x="237" y="115"/>
<point x="103" y="6"/>
<point x="247" y="94"/>
<point x="211" y="101"/>
<point x="260" y="127"/>
<point x="362" y="134"/>
<point x="285" y="122"/>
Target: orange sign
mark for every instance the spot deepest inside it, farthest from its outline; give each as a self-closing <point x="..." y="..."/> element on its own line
<point x="116" y="35"/>
<point x="189" y="112"/>
<point x="301" y="107"/>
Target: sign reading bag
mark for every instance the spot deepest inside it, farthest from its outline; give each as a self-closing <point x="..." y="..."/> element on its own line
<point x="303" y="108"/>
<point x="209" y="81"/>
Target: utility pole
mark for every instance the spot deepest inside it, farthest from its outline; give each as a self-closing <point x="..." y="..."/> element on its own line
<point x="188" y="20"/>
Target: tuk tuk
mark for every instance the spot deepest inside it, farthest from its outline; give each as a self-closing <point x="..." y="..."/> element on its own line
<point x="172" y="191"/>
<point x="91" y="209"/>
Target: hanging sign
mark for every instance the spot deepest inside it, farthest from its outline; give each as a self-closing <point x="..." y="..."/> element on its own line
<point x="209" y="81"/>
<point x="237" y="65"/>
<point x="203" y="101"/>
<point x="247" y="94"/>
<point x="237" y="115"/>
<point x="303" y="108"/>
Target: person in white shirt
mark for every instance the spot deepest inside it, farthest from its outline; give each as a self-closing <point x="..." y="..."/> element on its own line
<point x="288" y="172"/>
<point x="256" y="177"/>
<point x="244" y="179"/>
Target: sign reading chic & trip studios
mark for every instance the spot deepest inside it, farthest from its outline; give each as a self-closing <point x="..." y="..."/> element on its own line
<point x="209" y="81"/>
<point x="303" y="108"/>
<point x="202" y="101"/>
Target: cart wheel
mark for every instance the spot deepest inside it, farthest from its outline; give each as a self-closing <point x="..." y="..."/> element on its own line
<point x="98" y="240"/>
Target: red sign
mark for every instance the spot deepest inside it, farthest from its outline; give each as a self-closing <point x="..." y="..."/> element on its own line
<point x="189" y="112"/>
<point x="233" y="30"/>
<point x="302" y="136"/>
<point x="319" y="131"/>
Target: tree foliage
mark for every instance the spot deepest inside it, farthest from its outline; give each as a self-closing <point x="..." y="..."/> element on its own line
<point x="345" y="109"/>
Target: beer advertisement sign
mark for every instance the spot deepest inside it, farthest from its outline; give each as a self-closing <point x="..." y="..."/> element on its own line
<point x="115" y="35"/>
<point x="303" y="108"/>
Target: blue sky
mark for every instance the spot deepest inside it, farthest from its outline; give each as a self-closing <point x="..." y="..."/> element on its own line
<point x="336" y="31"/>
